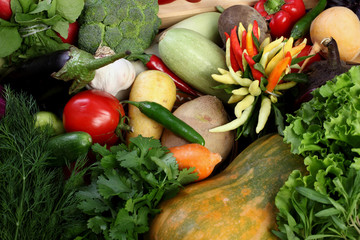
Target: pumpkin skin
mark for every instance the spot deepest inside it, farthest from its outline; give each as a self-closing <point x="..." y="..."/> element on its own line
<point x="237" y="203"/>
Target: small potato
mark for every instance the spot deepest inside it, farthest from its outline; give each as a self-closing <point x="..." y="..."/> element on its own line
<point x="154" y="86"/>
<point x="203" y="113"/>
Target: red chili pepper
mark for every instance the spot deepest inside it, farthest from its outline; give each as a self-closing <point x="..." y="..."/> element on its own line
<point x="283" y="14"/>
<point x="161" y="2"/>
<point x="255" y="73"/>
<point x="5" y="10"/>
<point x="234" y="64"/>
<point x="153" y="62"/>
<point x="235" y="45"/>
<point x="243" y="40"/>
<point x="256" y="29"/>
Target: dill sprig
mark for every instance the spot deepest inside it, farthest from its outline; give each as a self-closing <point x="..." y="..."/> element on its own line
<point x="35" y="200"/>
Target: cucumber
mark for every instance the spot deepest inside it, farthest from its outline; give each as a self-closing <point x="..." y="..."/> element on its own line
<point x="193" y="58"/>
<point x="204" y="23"/>
<point x="68" y="147"/>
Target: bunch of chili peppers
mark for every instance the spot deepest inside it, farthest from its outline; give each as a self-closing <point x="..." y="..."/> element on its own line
<point x="257" y="71"/>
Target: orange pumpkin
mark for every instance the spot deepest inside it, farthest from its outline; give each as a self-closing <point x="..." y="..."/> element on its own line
<point x="237" y="203"/>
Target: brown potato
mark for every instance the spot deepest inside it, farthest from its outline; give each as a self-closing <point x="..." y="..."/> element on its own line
<point x="203" y="113"/>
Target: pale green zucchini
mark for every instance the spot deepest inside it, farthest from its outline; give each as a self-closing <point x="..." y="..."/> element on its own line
<point x="193" y="58"/>
<point x="204" y="23"/>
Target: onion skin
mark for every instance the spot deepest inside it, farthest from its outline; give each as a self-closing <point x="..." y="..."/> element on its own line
<point x="343" y="25"/>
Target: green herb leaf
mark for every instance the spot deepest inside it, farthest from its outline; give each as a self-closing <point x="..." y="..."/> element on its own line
<point x="70" y="9"/>
<point x="313" y="195"/>
<point x="10" y="40"/>
<point x="136" y="177"/>
<point x="41" y="6"/>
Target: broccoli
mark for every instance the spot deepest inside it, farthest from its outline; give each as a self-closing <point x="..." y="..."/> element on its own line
<point x="122" y="25"/>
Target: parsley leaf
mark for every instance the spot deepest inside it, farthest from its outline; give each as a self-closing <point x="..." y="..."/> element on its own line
<point x="129" y="183"/>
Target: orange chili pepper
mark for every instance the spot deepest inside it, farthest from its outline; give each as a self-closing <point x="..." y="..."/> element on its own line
<point x="250" y="45"/>
<point x="275" y="74"/>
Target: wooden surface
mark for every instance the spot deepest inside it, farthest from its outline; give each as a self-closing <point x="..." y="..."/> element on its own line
<point x="180" y="9"/>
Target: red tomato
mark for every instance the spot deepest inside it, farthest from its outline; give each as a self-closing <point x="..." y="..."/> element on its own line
<point x="165" y="1"/>
<point x="95" y="112"/>
<point x="5" y="10"/>
<point x="72" y="33"/>
<point x="305" y="52"/>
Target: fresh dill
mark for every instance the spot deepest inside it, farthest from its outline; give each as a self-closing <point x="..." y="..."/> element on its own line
<point x="35" y="200"/>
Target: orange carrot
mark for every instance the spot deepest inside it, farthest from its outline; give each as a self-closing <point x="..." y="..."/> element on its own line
<point x="198" y="156"/>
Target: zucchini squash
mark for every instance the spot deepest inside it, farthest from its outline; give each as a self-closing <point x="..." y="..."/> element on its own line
<point x="193" y="58"/>
<point x="69" y="147"/>
<point x="237" y="203"/>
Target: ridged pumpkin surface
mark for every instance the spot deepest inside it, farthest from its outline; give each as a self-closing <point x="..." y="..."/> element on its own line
<point x="237" y="203"/>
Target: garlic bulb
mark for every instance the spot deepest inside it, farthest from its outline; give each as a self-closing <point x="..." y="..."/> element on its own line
<point x="115" y="78"/>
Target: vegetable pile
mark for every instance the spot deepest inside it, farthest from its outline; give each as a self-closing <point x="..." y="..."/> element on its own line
<point x="236" y="122"/>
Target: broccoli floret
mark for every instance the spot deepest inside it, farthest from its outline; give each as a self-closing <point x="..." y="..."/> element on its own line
<point x="119" y="24"/>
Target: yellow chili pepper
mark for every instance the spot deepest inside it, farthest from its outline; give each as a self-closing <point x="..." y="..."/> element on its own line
<point x="279" y="56"/>
<point x="237" y="122"/>
<point x="254" y="88"/>
<point x="264" y="113"/>
<point x="227" y="52"/>
<point x="297" y="49"/>
<point x="264" y="43"/>
<point x="243" y="104"/>
<point x="224" y="78"/>
<point x="245" y="82"/>
<point x="241" y="29"/>
<point x="235" y="98"/>
<point x="241" y="91"/>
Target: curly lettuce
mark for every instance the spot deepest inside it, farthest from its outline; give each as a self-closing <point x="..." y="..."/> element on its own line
<point x="324" y="203"/>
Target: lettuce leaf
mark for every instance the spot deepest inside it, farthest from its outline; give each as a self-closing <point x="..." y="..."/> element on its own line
<point x="324" y="203"/>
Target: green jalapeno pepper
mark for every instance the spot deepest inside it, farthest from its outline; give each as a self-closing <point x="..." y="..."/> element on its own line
<point x="163" y="116"/>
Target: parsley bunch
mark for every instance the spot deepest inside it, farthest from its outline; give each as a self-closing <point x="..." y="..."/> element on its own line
<point x="129" y="183"/>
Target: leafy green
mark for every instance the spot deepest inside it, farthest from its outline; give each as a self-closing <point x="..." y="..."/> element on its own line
<point x="122" y="25"/>
<point x="31" y="31"/>
<point x="128" y="183"/>
<point x="324" y="203"/>
<point x="35" y="201"/>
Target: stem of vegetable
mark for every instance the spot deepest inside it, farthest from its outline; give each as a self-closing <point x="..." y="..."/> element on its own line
<point x="333" y="58"/>
<point x="163" y="116"/>
<point x="81" y="67"/>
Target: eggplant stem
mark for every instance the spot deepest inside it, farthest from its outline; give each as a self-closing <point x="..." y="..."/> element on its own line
<point x="101" y="62"/>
